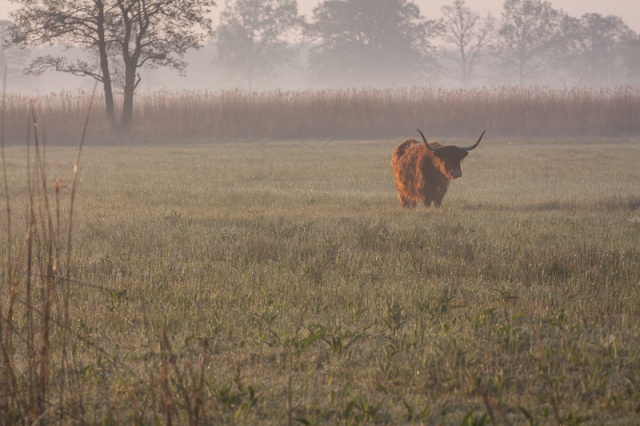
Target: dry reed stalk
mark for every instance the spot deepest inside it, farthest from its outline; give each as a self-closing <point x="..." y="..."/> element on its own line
<point x="47" y="279"/>
<point x="66" y="291"/>
<point x="189" y="384"/>
<point x="6" y="376"/>
<point x="34" y="270"/>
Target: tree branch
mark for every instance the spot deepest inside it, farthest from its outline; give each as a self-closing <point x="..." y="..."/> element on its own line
<point x="81" y="68"/>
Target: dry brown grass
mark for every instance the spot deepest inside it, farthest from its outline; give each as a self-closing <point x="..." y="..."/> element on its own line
<point x="351" y="114"/>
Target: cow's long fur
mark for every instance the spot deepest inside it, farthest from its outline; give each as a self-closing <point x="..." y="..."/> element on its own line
<point x="423" y="175"/>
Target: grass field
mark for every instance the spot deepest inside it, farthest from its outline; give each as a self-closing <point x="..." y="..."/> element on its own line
<point x="281" y="283"/>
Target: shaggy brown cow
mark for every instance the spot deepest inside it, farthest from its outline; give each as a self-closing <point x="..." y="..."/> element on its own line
<point x="423" y="170"/>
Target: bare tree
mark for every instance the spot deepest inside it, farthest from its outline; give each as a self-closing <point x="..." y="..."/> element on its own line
<point x="133" y="33"/>
<point x="469" y="33"/>
<point x="527" y="36"/>
<point x="253" y="38"/>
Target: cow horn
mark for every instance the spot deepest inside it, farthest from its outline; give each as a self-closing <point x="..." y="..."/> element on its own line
<point x="469" y="148"/>
<point x="425" y="141"/>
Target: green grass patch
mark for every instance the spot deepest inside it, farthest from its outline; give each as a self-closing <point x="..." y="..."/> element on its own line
<point x="281" y="283"/>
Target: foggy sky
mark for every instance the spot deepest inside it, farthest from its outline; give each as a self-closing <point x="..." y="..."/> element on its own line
<point x="628" y="10"/>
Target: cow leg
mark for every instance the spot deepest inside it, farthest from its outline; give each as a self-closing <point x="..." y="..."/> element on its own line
<point x="406" y="202"/>
<point x="437" y="197"/>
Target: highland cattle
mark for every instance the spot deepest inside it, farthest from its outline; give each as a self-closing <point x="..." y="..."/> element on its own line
<point x="423" y="170"/>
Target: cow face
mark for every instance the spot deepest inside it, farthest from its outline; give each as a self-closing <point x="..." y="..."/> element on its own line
<point x="451" y="157"/>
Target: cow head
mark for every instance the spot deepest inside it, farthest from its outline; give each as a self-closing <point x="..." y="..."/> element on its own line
<point x="451" y="156"/>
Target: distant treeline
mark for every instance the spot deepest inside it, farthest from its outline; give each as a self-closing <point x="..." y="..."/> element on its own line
<point x="355" y="114"/>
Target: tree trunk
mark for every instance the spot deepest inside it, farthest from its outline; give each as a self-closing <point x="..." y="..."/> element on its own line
<point x="129" y="89"/>
<point x="108" y="97"/>
<point x="521" y="69"/>
<point x="104" y="66"/>
<point x="464" y="68"/>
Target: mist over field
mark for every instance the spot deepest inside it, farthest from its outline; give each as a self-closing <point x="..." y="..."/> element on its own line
<point x="202" y="73"/>
<point x="577" y="46"/>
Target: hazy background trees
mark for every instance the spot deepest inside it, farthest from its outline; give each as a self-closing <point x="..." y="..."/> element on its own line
<point x="266" y="44"/>
<point x="369" y="42"/>
<point x="254" y="39"/>
<point x="12" y="59"/>
<point x="526" y="39"/>
<point x="598" y="49"/>
<point x="466" y="36"/>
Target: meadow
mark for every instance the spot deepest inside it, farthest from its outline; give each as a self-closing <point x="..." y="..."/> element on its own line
<point x="279" y="282"/>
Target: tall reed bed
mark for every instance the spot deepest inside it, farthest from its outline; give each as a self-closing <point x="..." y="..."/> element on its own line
<point x="171" y="116"/>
